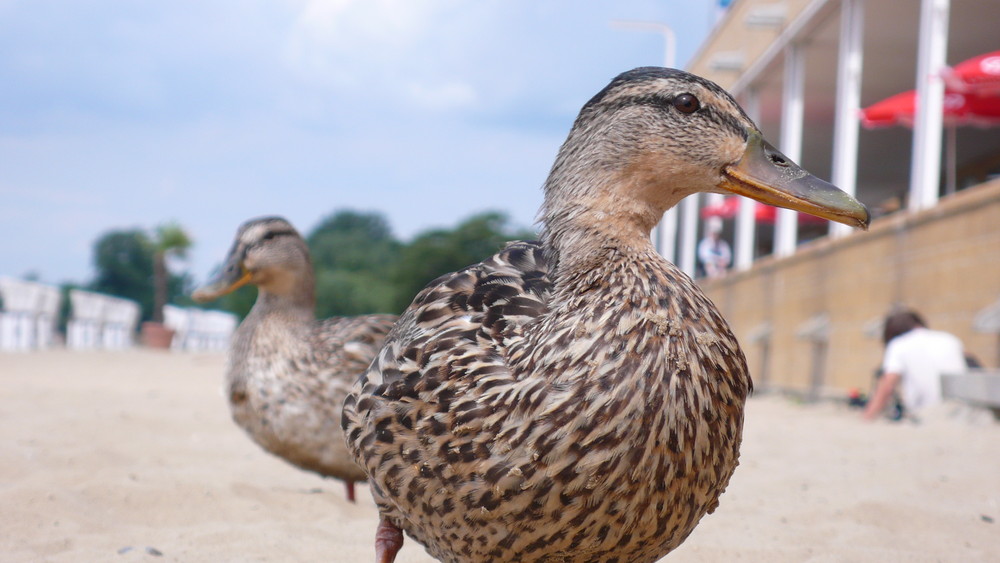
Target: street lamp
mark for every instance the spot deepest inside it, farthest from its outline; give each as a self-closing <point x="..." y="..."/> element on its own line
<point x="669" y="39"/>
<point x="665" y="236"/>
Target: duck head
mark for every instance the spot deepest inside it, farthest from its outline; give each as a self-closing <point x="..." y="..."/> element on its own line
<point x="654" y="136"/>
<point x="268" y="252"/>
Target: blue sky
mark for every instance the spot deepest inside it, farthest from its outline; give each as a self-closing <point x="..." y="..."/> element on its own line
<point x="120" y="114"/>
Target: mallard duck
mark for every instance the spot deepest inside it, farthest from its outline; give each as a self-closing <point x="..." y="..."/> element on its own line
<point x="578" y="398"/>
<point x="288" y="374"/>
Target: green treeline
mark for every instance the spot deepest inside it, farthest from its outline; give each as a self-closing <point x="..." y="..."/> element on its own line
<point x="361" y="267"/>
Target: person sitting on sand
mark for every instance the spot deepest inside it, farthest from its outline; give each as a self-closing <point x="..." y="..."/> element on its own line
<point x="714" y="253"/>
<point x="914" y="360"/>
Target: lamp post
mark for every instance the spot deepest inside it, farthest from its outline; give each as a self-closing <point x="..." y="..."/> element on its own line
<point x="669" y="38"/>
<point x="665" y="236"/>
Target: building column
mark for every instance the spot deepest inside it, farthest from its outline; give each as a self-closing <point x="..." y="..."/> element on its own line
<point x="792" y="111"/>
<point x="666" y="234"/>
<point x="845" y="125"/>
<point x="746" y="218"/>
<point x="925" y="164"/>
<point x="689" y="233"/>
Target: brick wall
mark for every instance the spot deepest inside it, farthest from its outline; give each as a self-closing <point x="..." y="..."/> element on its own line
<point x="944" y="262"/>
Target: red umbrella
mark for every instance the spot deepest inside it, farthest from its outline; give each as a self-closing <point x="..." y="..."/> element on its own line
<point x="729" y="208"/>
<point x="979" y="75"/>
<point x="725" y="209"/>
<point x="959" y="109"/>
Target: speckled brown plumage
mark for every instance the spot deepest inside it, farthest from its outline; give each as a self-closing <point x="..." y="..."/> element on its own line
<point x="288" y="375"/>
<point x="578" y="398"/>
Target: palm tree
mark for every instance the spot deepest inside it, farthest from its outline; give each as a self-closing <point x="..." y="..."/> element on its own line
<point x="169" y="240"/>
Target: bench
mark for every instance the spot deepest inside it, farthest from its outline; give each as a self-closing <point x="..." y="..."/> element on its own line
<point x="978" y="387"/>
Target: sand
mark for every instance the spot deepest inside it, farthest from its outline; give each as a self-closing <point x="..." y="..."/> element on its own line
<point x="131" y="456"/>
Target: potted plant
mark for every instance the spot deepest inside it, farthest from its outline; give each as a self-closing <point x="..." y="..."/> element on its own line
<point x="170" y="240"/>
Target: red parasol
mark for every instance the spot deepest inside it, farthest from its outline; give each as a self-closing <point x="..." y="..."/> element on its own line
<point x="979" y="75"/>
<point x="959" y="109"/>
<point x="729" y="208"/>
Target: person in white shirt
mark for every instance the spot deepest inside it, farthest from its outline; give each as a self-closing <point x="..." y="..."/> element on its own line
<point x="713" y="251"/>
<point x="915" y="358"/>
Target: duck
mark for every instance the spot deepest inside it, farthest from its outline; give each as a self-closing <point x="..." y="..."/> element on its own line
<point x="578" y="398"/>
<point x="288" y="374"/>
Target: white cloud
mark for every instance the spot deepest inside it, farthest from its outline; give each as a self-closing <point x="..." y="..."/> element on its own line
<point x="329" y="38"/>
<point x="446" y="96"/>
<point x="117" y="113"/>
<point x="331" y="22"/>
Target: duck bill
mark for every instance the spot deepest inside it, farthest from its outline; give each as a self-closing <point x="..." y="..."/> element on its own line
<point x="766" y="175"/>
<point x="232" y="277"/>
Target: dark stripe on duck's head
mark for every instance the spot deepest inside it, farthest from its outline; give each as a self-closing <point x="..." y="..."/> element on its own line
<point x="263" y="221"/>
<point x="636" y="77"/>
<point x="279" y="232"/>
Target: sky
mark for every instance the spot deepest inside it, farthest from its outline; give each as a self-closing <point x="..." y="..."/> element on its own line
<point x="116" y="114"/>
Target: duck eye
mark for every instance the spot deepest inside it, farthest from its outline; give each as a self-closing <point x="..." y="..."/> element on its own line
<point x="687" y="103"/>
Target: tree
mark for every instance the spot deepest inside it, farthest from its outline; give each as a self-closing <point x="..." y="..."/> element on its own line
<point x="440" y="251"/>
<point x="362" y="268"/>
<point x="124" y="261"/>
<point x="353" y="254"/>
<point x="170" y="241"/>
<point x="344" y="293"/>
<point x="353" y="241"/>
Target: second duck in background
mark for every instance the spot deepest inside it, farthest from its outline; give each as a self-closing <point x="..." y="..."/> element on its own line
<point x="288" y="374"/>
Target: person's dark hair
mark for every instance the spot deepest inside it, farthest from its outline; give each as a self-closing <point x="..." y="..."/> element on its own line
<point x="899" y="323"/>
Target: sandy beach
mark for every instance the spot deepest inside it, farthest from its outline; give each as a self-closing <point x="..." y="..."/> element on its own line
<point x="131" y="456"/>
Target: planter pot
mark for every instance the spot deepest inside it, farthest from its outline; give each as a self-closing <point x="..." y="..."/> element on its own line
<point x="156" y="335"/>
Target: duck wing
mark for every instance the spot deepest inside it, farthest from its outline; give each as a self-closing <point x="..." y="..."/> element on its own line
<point x="347" y="345"/>
<point x="512" y="415"/>
<point x="435" y="391"/>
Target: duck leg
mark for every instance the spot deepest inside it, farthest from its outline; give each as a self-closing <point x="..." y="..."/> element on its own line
<point x="388" y="540"/>
<point x="350" y="490"/>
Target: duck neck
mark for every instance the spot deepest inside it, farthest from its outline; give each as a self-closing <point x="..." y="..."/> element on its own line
<point x="603" y="194"/>
<point x="580" y="232"/>
<point x="291" y="298"/>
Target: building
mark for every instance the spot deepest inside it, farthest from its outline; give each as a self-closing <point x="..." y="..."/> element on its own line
<point x="805" y="298"/>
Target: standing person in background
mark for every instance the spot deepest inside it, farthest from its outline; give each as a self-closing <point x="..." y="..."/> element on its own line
<point x="915" y="357"/>
<point x="713" y="251"/>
